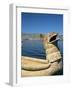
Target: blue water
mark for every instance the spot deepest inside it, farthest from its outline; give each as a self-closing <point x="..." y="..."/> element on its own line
<point x="34" y="48"/>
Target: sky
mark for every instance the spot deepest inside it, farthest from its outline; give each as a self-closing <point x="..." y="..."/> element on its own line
<point x="41" y="23"/>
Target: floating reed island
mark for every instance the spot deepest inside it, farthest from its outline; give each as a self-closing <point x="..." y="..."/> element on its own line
<point x="49" y="66"/>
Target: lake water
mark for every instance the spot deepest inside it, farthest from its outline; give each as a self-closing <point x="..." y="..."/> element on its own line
<point x="34" y="48"/>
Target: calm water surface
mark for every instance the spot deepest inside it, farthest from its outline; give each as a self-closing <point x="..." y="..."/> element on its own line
<point x="34" y="48"/>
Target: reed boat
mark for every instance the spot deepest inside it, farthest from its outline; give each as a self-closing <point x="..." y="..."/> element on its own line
<point x="39" y="67"/>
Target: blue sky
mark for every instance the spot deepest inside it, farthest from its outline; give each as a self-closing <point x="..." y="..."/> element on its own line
<point x="41" y="23"/>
